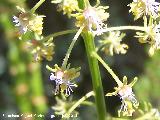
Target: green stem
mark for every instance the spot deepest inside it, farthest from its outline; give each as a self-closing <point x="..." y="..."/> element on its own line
<point x="37" y="6"/>
<point x="49" y="68"/>
<point x="71" y="47"/>
<point x="97" y="3"/>
<point x="59" y="34"/>
<point x="79" y="102"/>
<point x="139" y="28"/>
<point x="100" y="46"/>
<point x="95" y="73"/>
<point x="81" y="4"/>
<point x="94" y="54"/>
<point x="87" y="4"/>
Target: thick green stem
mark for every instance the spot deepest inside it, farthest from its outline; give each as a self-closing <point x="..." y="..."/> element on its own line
<point x="37" y="6"/>
<point x="95" y="73"/>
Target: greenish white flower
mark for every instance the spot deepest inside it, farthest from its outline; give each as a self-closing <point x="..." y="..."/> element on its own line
<point x="92" y="18"/>
<point x="139" y="8"/>
<point x="111" y="43"/>
<point x="63" y="78"/>
<point x="129" y="102"/>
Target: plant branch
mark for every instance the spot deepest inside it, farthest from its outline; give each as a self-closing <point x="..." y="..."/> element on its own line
<point x="71" y="47"/>
<point x="80" y="101"/>
<point x="139" y="28"/>
<point x="94" y="54"/>
<point x="37" y="6"/>
<point x="58" y="34"/>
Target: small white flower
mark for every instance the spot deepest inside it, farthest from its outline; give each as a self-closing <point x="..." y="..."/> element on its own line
<point x="94" y="20"/>
<point x="69" y="87"/>
<point x="129" y="102"/>
<point x="112" y="43"/>
<point x="22" y="27"/>
<point x="141" y="8"/>
<point x="62" y="83"/>
<point x="126" y="93"/>
<point x="152" y="6"/>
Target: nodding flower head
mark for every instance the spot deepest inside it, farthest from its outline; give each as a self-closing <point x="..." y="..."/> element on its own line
<point x="40" y="49"/>
<point x="63" y="105"/>
<point x="144" y="7"/>
<point x="129" y="102"/>
<point x="150" y="36"/>
<point x="92" y="18"/>
<point x="112" y="43"/>
<point x="63" y="78"/>
<point x="155" y="39"/>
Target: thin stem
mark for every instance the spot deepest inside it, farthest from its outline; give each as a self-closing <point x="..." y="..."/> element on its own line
<point x="37" y="6"/>
<point x="88" y="103"/>
<point x="87" y="4"/>
<point x="59" y="34"/>
<point x="94" y="54"/>
<point x="71" y="47"/>
<point x="95" y="74"/>
<point x="100" y="46"/>
<point x="139" y="28"/>
<point x="79" y="102"/>
<point x="49" y="68"/>
<point x="97" y="3"/>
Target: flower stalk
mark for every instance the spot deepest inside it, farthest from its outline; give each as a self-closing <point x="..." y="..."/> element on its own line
<point x="80" y="101"/>
<point x="58" y="34"/>
<point x="95" y="73"/>
<point x="37" y="6"/>
<point x="95" y="55"/>
<point x="71" y="47"/>
<point x="137" y="28"/>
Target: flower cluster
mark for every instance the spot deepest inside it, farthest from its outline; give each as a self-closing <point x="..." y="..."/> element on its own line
<point x="36" y="24"/>
<point x="112" y="43"/>
<point x="144" y="7"/>
<point x="67" y="6"/>
<point x="41" y="49"/>
<point x="147" y="108"/>
<point x="26" y="21"/>
<point x="63" y="78"/>
<point x="91" y="18"/>
<point x="129" y="102"/>
<point x="62" y="107"/>
<point x="151" y="35"/>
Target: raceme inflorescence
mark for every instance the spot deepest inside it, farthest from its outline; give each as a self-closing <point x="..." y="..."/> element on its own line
<point x="90" y="21"/>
